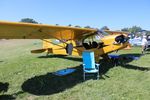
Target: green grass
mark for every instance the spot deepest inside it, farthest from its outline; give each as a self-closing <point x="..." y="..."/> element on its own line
<point x="29" y="76"/>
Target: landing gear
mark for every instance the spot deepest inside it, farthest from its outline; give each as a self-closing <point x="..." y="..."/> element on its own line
<point x="69" y="48"/>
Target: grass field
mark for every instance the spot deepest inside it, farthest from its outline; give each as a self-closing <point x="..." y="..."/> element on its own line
<point x="30" y="77"/>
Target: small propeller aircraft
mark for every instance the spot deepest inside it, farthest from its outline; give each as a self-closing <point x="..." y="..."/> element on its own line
<point x="66" y="40"/>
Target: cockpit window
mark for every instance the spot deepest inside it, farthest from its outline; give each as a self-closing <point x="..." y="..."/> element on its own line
<point x="92" y="41"/>
<point x="92" y="38"/>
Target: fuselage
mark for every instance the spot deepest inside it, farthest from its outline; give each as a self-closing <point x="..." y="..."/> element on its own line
<point x="100" y="45"/>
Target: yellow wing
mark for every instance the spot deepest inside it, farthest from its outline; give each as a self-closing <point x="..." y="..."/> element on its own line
<point x="18" y="30"/>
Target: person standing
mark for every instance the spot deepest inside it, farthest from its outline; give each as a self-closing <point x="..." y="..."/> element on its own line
<point x="144" y="44"/>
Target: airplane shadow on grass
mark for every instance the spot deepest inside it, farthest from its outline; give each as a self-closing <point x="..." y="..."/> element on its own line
<point x="63" y="57"/>
<point x="1" y="61"/>
<point x="127" y="58"/>
<point x="50" y="84"/>
<point x="7" y="97"/>
<point x="4" y="88"/>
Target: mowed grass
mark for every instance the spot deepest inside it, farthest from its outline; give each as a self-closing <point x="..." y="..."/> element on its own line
<point x="30" y="75"/>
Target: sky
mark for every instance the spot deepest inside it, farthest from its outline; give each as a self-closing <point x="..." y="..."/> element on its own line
<point x="116" y="14"/>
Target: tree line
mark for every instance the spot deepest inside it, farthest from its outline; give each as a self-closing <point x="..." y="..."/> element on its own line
<point x="134" y="30"/>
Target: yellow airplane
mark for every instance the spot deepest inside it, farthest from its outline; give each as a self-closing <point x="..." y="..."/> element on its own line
<point x="66" y="40"/>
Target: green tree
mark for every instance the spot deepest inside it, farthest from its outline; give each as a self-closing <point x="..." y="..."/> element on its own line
<point x="28" y="20"/>
<point x="78" y="26"/>
<point x="125" y="29"/>
<point x="104" y="28"/>
<point x="135" y="29"/>
<point x="69" y="25"/>
<point x="87" y="27"/>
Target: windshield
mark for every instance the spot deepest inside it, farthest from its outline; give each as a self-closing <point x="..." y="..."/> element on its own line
<point x="92" y="41"/>
<point x="92" y="38"/>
